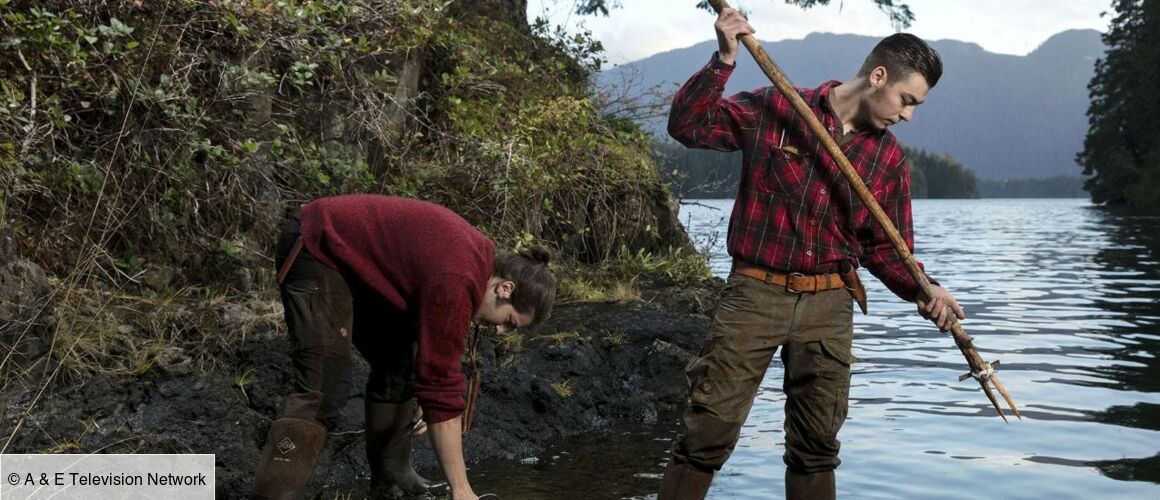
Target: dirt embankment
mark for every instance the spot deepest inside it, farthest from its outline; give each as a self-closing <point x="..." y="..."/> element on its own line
<point x="590" y="365"/>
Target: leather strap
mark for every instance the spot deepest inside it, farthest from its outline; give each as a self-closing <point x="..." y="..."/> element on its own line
<point x="793" y="282"/>
<point x="294" y="251"/>
<point x="854" y="286"/>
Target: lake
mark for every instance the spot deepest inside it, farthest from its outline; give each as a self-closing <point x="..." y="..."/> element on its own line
<point x="1067" y="296"/>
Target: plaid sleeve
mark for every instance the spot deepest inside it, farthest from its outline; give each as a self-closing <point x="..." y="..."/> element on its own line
<point x="701" y="118"/>
<point x="878" y="253"/>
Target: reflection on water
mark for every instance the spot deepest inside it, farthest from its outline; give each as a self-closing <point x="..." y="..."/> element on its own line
<point x="1067" y="296"/>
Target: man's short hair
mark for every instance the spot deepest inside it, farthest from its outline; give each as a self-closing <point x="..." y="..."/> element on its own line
<point x="902" y="54"/>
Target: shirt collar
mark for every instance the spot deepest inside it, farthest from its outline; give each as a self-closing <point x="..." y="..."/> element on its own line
<point x="821" y="100"/>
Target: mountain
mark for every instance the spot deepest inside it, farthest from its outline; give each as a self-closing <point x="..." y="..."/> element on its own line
<point x="1002" y="116"/>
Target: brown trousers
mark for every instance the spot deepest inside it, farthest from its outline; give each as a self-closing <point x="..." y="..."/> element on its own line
<point x="753" y="319"/>
<point x="324" y="318"/>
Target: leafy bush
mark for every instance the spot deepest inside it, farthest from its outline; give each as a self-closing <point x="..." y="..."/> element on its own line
<point x="178" y="133"/>
<point x="150" y="150"/>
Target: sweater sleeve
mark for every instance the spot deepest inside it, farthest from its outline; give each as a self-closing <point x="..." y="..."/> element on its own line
<point x="445" y="308"/>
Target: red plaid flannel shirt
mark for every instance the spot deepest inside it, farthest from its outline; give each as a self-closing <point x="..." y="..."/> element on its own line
<point x="795" y="212"/>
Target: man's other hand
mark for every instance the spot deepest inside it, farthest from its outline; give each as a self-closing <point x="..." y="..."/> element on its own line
<point x="730" y="25"/>
<point x="941" y="309"/>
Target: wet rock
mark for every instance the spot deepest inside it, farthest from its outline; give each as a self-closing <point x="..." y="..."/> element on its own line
<point x="27" y="321"/>
<point x="159" y="278"/>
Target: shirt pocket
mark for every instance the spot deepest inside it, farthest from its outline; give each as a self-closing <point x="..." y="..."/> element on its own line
<point x="784" y="171"/>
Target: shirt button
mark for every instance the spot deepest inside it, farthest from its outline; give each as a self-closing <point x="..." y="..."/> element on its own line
<point x="810" y="253"/>
<point x="813" y="222"/>
<point x="823" y="190"/>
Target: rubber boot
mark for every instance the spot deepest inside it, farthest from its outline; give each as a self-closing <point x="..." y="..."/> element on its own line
<point x="292" y="448"/>
<point x="389" y="444"/>
<point x="816" y="486"/>
<point x="684" y="482"/>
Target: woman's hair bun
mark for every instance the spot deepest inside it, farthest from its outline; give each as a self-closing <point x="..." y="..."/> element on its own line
<point x="537" y="253"/>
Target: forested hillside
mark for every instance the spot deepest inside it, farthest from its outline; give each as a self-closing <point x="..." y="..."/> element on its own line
<point x="702" y="173"/>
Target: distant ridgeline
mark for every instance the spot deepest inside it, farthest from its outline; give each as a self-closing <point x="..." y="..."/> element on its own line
<point x="1002" y="116"/>
<point x="700" y="173"/>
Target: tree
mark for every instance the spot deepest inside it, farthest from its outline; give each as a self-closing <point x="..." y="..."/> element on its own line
<point x="939" y="176"/>
<point x="900" y="15"/>
<point x="1122" y="148"/>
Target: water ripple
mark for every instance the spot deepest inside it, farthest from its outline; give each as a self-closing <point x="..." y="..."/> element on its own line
<point x="1067" y="296"/>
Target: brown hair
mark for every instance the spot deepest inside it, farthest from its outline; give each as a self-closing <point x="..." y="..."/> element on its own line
<point x="902" y="54"/>
<point x="535" y="285"/>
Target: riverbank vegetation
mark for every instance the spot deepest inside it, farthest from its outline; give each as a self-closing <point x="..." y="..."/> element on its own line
<point x="150" y="150"/>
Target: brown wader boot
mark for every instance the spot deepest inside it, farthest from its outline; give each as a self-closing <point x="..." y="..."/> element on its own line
<point x="816" y="486"/>
<point x="684" y="482"/>
<point x="389" y="443"/>
<point x="288" y="459"/>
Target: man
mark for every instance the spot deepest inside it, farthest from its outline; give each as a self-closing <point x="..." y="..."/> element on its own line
<point x="401" y="280"/>
<point x="796" y="234"/>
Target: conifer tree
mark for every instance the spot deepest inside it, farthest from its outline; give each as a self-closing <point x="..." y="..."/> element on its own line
<point x="1122" y="149"/>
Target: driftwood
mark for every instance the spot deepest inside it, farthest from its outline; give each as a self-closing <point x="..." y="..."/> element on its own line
<point x="981" y="370"/>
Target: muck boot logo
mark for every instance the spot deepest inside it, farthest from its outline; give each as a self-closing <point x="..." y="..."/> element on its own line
<point x="286" y="445"/>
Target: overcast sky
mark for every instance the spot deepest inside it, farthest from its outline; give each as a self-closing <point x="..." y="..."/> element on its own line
<point x="644" y="27"/>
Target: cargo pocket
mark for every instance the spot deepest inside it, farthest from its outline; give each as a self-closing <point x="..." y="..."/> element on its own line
<point x="838" y="358"/>
<point x="701" y="390"/>
<point x="335" y="316"/>
<point x="839" y="350"/>
<point x="301" y="302"/>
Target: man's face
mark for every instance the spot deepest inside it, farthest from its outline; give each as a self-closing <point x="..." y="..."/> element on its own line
<point x="894" y="99"/>
<point x="497" y="309"/>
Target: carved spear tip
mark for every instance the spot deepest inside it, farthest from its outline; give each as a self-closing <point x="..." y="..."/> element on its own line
<point x="1006" y="395"/>
<point x="995" y="402"/>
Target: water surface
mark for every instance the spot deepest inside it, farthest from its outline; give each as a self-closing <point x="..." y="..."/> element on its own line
<point x="1065" y="295"/>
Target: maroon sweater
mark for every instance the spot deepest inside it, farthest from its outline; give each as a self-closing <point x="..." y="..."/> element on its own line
<point x="426" y="262"/>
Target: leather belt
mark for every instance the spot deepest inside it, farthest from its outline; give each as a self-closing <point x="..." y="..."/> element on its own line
<point x="793" y="282"/>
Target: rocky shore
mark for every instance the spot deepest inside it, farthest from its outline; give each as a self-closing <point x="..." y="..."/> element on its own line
<point x="591" y="366"/>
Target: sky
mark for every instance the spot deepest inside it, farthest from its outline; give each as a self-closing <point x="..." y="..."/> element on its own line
<point x="641" y="28"/>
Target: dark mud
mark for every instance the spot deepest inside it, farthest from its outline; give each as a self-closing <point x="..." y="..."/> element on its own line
<point x="585" y="374"/>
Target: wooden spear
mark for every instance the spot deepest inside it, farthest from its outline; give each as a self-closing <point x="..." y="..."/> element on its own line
<point x="980" y="370"/>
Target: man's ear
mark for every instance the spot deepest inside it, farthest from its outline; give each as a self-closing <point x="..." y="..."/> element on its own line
<point x="878" y="77"/>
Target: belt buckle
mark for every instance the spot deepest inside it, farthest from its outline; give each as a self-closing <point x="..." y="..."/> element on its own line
<point x="789" y="280"/>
